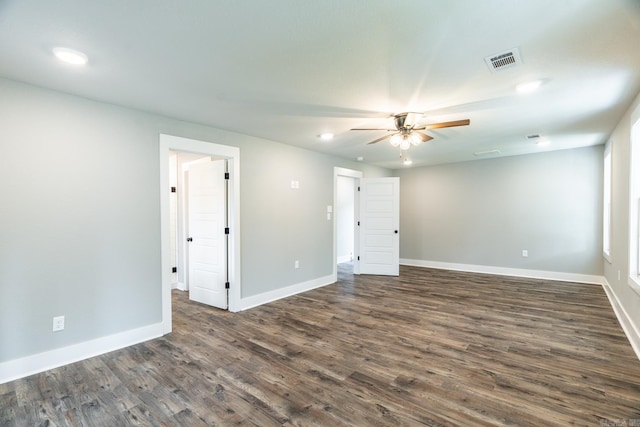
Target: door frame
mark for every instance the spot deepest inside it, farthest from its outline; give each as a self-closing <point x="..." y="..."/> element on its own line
<point x="170" y="143"/>
<point x="351" y="174"/>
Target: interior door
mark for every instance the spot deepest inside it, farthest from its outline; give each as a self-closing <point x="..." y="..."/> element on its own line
<point x="207" y="239"/>
<point x="379" y="236"/>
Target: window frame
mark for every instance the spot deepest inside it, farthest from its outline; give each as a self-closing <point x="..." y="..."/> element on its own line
<point x="634" y="205"/>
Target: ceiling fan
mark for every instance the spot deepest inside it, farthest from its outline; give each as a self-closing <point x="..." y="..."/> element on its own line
<point x="406" y="133"/>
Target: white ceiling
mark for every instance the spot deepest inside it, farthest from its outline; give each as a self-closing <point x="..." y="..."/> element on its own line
<point x="288" y="70"/>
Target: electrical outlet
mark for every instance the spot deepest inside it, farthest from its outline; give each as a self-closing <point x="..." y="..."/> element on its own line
<point x="296" y="264"/>
<point x="525" y="253"/>
<point x="58" y="323"/>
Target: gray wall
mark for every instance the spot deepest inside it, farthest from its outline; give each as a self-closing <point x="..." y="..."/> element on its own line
<point x="621" y="174"/>
<point x="80" y="217"/>
<point x="486" y="212"/>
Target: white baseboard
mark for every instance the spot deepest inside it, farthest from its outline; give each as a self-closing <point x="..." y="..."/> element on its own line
<point x="505" y="271"/>
<point x="631" y="330"/>
<point x="263" y="298"/>
<point x="25" y="366"/>
<point x="179" y="286"/>
<point x="346" y="258"/>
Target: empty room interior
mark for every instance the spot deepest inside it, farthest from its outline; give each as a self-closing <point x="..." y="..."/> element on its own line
<point x="331" y="213"/>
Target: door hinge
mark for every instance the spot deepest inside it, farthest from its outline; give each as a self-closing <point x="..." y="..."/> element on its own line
<point x="358" y="188"/>
<point x="226" y="175"/>
<point x="226" y="230"/>
<point x="358" y="223"/>
<point x="226" y="285"/>
<point x="173" y="189"/>
<point x="174" y="269"/>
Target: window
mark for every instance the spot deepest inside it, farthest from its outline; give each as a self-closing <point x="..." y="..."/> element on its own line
<point x="606" y="208"/>
<point x="634" y="208"/>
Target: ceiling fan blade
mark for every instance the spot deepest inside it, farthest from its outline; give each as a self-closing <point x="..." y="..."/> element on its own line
<point x="389" y="130"/>
<point x="381" y="139"/>
<point x="423" y="137"/>
<point x="411" y="119"/>
<point x="444" y="125"/>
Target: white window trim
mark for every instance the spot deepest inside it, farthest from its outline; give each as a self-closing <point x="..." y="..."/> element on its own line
<point x="634" y="204"/>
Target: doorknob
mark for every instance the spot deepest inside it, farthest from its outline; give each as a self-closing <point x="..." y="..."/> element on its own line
<point x="395" y="231"/>
<point x="189" y="239"/>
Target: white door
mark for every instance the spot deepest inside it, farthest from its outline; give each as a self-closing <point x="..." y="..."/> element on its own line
<point x="207" y="239"/>
<point x="379" y="226"/>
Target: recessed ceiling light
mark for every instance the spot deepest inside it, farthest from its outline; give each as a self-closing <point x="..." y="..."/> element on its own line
<point x="543" y="141"/>
<point x="360" y="158"/>
<point x="407" y="162"/>
<point x="327" y="136"/>
<point x="528" y="87"/>
<point x="70" y="56"/>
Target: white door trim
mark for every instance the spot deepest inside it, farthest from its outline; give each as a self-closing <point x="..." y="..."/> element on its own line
<point x="174" y="143"/>
<point x="352" y="174"/>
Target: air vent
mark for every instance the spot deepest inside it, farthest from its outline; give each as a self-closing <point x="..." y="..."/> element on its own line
<point x="504" y="60"/>
<point x="532" y="137"/>
<point x="486" y="153"/>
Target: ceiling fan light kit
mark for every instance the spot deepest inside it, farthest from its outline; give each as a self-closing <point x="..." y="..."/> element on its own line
<point x="406" y="133"/>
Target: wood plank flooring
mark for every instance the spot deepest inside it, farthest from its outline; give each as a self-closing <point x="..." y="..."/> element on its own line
<point x="430" y="347"/>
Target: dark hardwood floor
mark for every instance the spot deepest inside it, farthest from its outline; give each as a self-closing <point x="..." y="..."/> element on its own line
<point x="430" y="347"/>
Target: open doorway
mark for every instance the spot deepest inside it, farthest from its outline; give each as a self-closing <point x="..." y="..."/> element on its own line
<point x="345" y="201"/>
<point x="199" y="218"/>
<point x="345" y="219"/>
<point x="194" y="150"/>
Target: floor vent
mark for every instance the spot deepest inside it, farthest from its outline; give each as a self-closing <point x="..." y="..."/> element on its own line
<point x="504" y="60"/>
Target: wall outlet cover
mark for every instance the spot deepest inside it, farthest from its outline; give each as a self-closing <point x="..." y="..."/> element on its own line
<point x="58" y="323"/>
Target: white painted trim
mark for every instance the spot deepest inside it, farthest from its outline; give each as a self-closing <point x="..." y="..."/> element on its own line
<point x="169" y="143"/>
<point x="634" y="284"/>
<point x="631" y="330"/>
<point x="346" y="258"/>
<point x="276" y="294"/>
<point x="505" y="271"/>
<point x="352" y="174"/>
<point x="25" y="366"/>
<point x="179" y="286"/>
